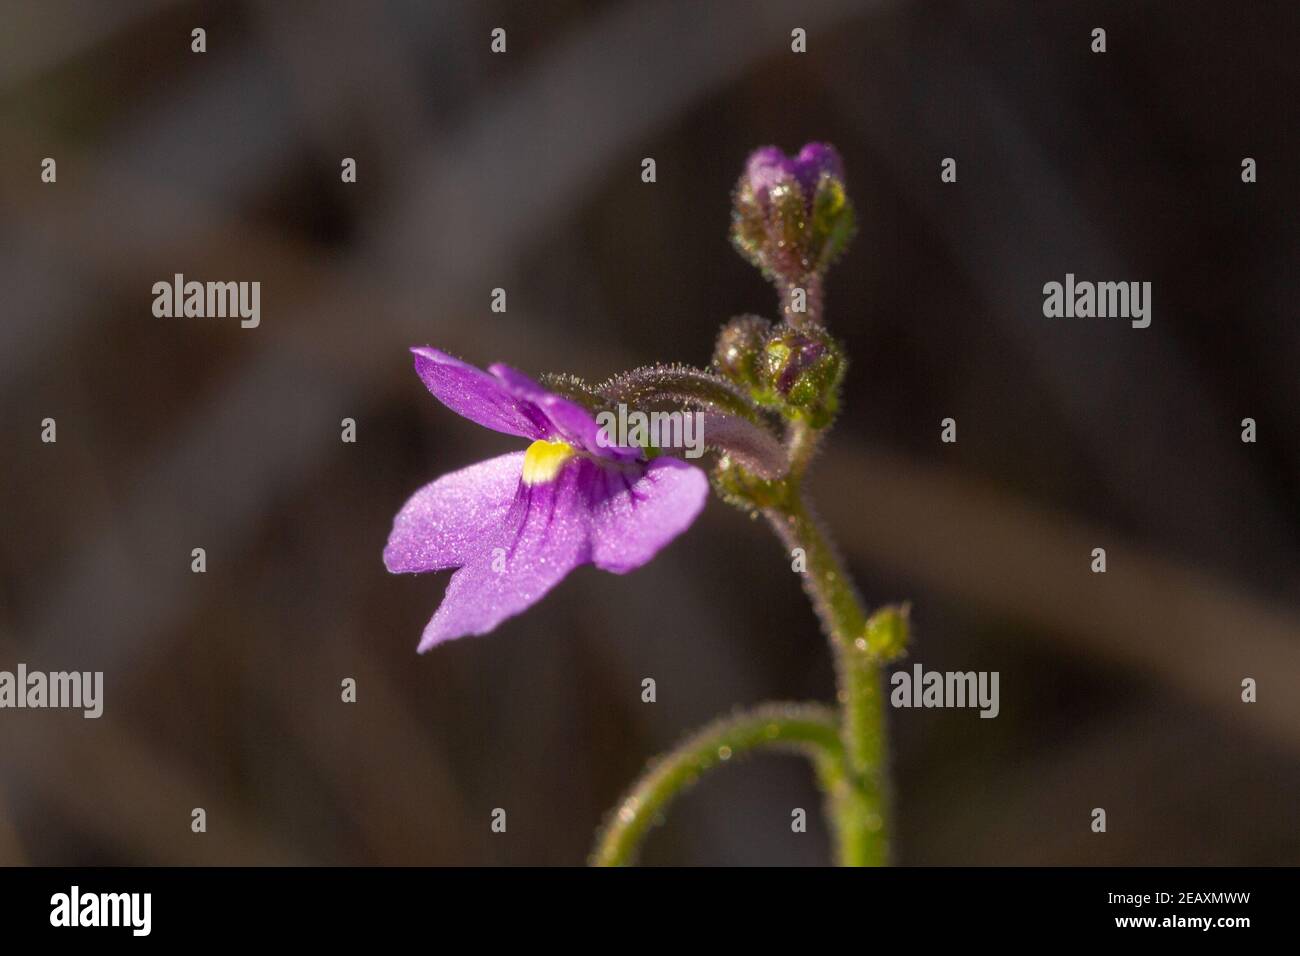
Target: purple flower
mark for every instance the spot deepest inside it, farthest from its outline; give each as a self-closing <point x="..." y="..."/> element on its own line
<point x="768" y="167"/>
<point x="514" y="526"/>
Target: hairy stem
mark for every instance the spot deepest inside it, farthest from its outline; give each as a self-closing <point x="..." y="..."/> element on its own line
<point x="679" y="383"/>
<point x="814" y="297"/>
<point x="860" y="812"/>
<point x="809" y="729"/>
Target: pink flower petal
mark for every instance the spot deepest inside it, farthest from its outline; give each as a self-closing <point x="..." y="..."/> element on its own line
<point x="618" y="518"/>
<point x="478" y="396"/>
<point x="633" y="516"/>
<point x="569" y="421"/>
<point x="444" y="523"/>
<point x="543" y="537"/>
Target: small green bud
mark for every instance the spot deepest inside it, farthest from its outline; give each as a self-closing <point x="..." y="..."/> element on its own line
<point x="804" y="368"/>
<point x="833" y="222"/>
<point x="887" y="632"/>
<point x="739" y="348"/>
<point x="740" y="487"/>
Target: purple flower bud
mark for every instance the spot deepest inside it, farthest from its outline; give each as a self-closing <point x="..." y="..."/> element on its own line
<point x="790" y="214"/>
<point x="813" y="160"/>
<point x="768" y="168"/>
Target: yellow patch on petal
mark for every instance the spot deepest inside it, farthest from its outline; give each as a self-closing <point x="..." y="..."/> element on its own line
<point x="544" y="459"/>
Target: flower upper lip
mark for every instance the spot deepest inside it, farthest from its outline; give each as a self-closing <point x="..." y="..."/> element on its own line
<point x="506" y="400"/>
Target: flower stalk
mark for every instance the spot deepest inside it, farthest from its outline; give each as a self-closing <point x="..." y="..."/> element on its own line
<point x="808" y="729"/>
<point x="860" y="812"/>
<point x="802" y="300"/>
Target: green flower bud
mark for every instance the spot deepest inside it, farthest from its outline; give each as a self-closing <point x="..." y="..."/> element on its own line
<point x="804" y="368"/>
<point x="833" y="222"/>
<point x="739" y="349"/>
<point x="887" y="632"/>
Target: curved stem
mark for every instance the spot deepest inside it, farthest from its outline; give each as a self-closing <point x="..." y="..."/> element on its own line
<point x="728" y="421"/>
<point x="800" y="445"/>
<point x="860" y="813"/>
<point x="809" y="729"/>
<point x="680" y="383"/>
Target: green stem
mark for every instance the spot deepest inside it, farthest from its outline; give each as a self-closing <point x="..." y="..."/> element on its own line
<point x="860" y="813"/>
<point x="809" y="729"/>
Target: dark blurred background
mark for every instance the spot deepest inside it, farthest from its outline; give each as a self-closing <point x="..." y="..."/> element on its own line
<point x="522" y="171"/>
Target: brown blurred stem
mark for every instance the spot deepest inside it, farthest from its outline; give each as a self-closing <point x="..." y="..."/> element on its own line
<point x="814" y="299"/>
